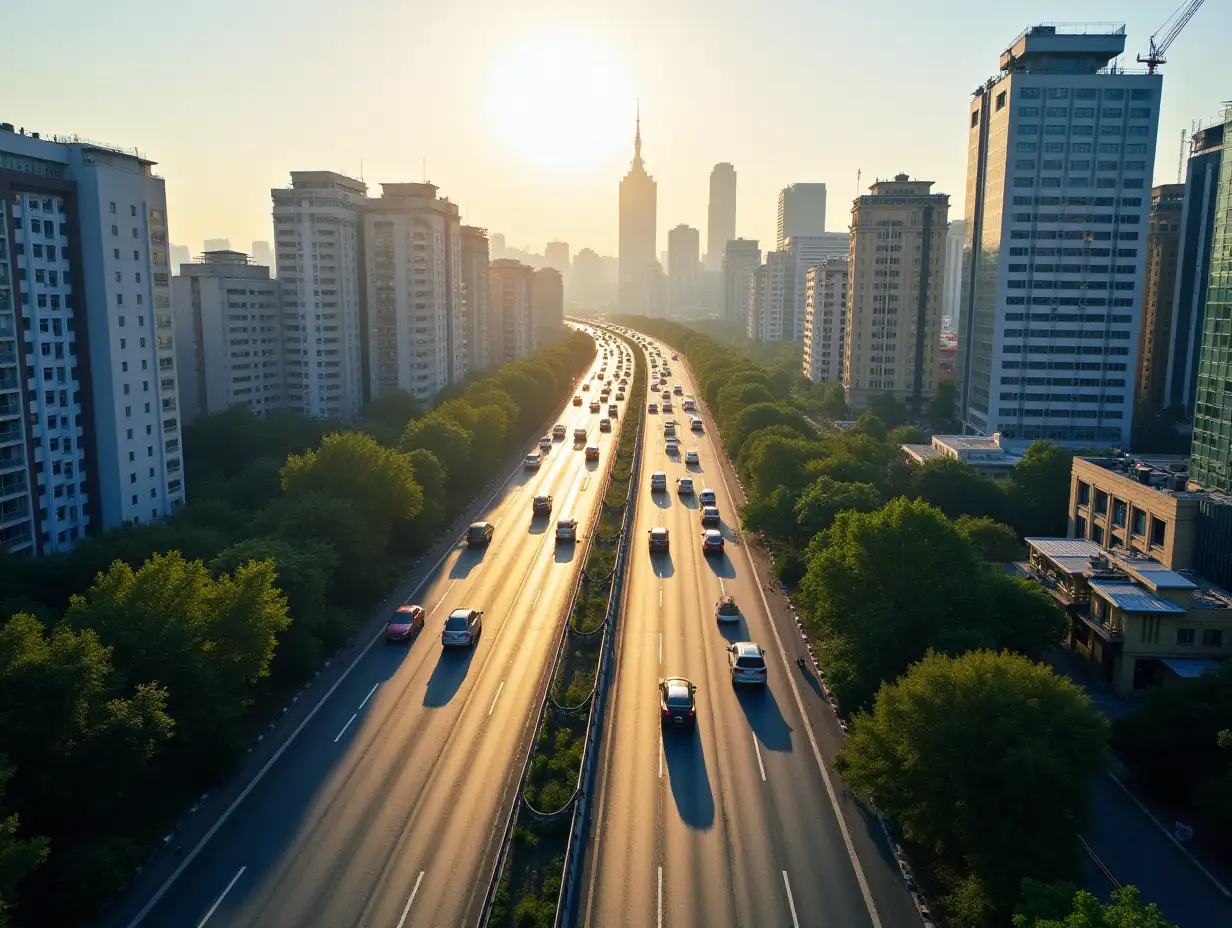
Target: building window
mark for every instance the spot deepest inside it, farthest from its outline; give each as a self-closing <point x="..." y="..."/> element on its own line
<point x="1185" y="637"/>
<point x="1084" y="493"/>
<point x="1097" y="534"/>
<point x="1212" y="637"/>
<point x="1101" y="503"/>
<point x="1138" y="528"/>
<point x="1159" y="530"/>
<point x="1119" y="509"/>
<point x="1080" y="527"/>
<point x="1001" y="100"/>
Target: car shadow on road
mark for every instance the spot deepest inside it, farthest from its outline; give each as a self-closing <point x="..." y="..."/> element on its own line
<point x="539" y="524"/>
<point x="734" y="631"/>
<point x="689" y="501"/>
<point x="686" y="770"/>
<point x="468" y="560"/>
<point x="450" y="670"/>
<point x="661" y="499"/>
<point x="761" y="708"/>
<point x="812" y="680"/>
<point x="565" y="551"/>
<point x="662" y="565"/>
<point x="722" y="565"/>
<point x="592" y="466"/>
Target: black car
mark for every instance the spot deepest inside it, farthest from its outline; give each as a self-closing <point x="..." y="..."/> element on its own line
<point x="479" y="534"/>
<point x="677" y="702"/>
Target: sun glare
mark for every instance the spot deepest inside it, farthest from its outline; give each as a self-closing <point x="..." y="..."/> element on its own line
<point x="559" y="100"/>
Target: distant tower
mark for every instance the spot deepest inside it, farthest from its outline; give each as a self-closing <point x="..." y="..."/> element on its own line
<point x="721" y="214"/>
<point x="638" y="217"/>
<point x="802" y="212"/>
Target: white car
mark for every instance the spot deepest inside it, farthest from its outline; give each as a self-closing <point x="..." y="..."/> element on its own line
<point x="706" y="497"/>
<point x="658" y="481"/>
<point x="747" y="662"/>
<point x="462" y="628"/>
<point x="691" y="457"/>
<point x="532" y="461"/>
<point x="671" y="446"/>
<point x="726" y="610"/>
<point x="684" y="485"/>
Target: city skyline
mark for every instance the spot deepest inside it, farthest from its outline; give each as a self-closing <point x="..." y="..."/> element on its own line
<point x="218" y="188"/>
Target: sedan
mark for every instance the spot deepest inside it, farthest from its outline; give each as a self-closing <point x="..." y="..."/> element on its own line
<point x="684" y="486"/>
<point x="691" y="457"/>
<point x="678" y="701"/>
<point x="479" y="534"/>
<point x="712" y="541"/>
<point x="462" y="628"/>
<point x="747" y="663"/>
<point x="706" y="497"/>
<point x="405" y="623"/>
<point x="726" y="610"/>
<point x="592" y="452"/>
<point x="710" y="515"/>
<point x="658" y="539"/>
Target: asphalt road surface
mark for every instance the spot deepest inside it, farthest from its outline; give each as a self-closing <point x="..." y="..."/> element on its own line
<point x="733" y="823"/>
<point x="385" y="810"/>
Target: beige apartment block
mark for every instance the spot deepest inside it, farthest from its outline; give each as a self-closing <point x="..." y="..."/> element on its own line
<point x="895" y="292"/>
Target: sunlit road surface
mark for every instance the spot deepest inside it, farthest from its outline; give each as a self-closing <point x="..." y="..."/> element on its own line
<point x="733" y="823"/>
<point x="386" y="808"/>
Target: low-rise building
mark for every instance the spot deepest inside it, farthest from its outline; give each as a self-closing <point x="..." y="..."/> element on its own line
<point x="989" y="455"/>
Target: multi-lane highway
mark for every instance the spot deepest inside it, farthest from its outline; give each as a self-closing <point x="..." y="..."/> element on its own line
<point x="385" y="809"/>
<point x="733" y="823"/>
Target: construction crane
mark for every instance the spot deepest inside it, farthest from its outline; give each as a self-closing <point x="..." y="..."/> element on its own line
<point x="1170" y="29"/>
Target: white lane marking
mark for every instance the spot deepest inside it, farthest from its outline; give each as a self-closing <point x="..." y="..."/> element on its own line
<point x="660" y="922"/>
<point x="345" y="727"/>
<point x="660" y="647"/>
<point x="795" y="922"/>
<point x="760" y="766"/>
<point x="443" y="596"/>
<point x="498" y="521"/>
<point x="497" y="696"/>
<point x="722" y="588"/>
<point x="585" y="483"/>
<point x="537" y="595"/>
<point x="218" y="901"/>
<point x="808" y="728"/>
<point x="660" y="755"/>
<point x="369" y="696"/>
<point x="660" y="597"/>
<point x="407" y="907"/>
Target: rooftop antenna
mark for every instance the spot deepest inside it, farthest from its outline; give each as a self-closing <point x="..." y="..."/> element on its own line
<point x="1180" y="159"/>
<point x="859" y="171"/>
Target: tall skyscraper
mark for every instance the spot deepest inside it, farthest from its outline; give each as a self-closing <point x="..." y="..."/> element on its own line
<point x="802" y="211"/>
<point x="894" y="302"/>
<point x="1210" y="462"/>
<point x="412" y="257"/>
<point x="497" y="249"/>
<point x="683" y="243"/>
<point x="217" y="244"/>
<point x="1194" y="266"/>
<point x="741" y="257"/>
<point x="771" y="294"/>
<point x="1163" y="240"/>
<point x="511" y="310"/>
<point x="952" y="295"/>
<point x="474" y="276"/>
<point x="586" y="277"/>
<point x="180" y="254"/>
<point x="262" y="254"/>
<point x="825" y="319"/>
<point x="228" y="335"/>
<point x="549" y="306"/>
<point x="318" y="232"/>
<point x="556" y="254"/>
<point x="720" y="214"/>
<point x="638" y="218"/>
<point x="89" y="398"/>
<point x="807" y="251"/>
<point x="1060" y="153"/>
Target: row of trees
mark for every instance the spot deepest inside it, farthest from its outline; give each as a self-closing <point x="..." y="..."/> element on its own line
<point x="980" y="753"/>
<point x="135" y="670"/>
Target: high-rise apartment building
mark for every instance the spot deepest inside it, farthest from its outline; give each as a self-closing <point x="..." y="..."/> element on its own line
<point x="1163" y="240"/>
<point x="89" y="399"/>
<point x="228" y="335"/>
<point x="951" y="300"/>
<point x="586" y="277"/>
<point x="807" y="251"/>
<point x="413" y="260"/>
<point x="474" y="277"/>
<point x="1210" y="462"/>
<point x="1061" y="146"/>
<point x="318" y="237"/>
<point x="262" y="253"/>
<point x="1193" y="266"/>
<point x="772" y="290"/>
<point x="638" y="218"/>
<point x="895" y="285"/>
<point x="825" y="319"/>
<point x="741" y="257"/>
<point x="802" y="212"/>
<point x="683" y="244"/>
<point x="556" y="254"/>
<point x="549" y="306"/>
<point x="720" y="214"/>
<point x="511" y="311"/>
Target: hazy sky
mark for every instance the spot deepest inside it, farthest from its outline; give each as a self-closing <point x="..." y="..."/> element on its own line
<point x="523" y="111"/>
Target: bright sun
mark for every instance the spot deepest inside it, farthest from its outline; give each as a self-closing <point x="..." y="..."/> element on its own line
<point x="560" y="101"/>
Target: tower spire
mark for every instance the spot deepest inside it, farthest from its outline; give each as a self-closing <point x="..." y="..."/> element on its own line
<point x="637" y="136"/>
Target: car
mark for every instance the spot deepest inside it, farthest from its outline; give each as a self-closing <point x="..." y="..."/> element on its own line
<point x="577" y="400"/>
<point x="594" y="407"/>
<point x="405" y="623"/>
<point x="689" y="406"/>
<point x="669" y="427"/>
<point x="678" y="390"/>
<point x="579" y="435"/>
<point x="585" y="386"/>
<point x="675" y="357"/>
<point x="605" y="425"/>
<point x="710" y="515"/>
<point x="541" y="505"/>
<point x="566" y="530"/>
<point x="532" y="461"/>
<point x="712" y="541"/>
<point x="545" y="443"/>
<point x="592" y="452"/>
<point x="747" y="662"/>
<point x="620" y="394"/>
<point x="684" y="486"/>
<point x="658" y="481"/>
<point x="658" y="539"/>
<point x="667" y="407"/>
<point x="600" y="375"/>
<point x="696" y="424"/>
<point x="612" y="410"/>
<point x="707" y="498"/>
<point x="692" y="457"/>
<point x="462" y="629"/>
<point x="678" y="700"/>
<point x="726" y="610"/>
<point x="666" y="397"/>
<point x="671" y="445"/>
<point x="558" y="432"/>
<point x="479" y="534"/>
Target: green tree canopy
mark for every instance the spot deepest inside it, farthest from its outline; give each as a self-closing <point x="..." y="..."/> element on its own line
<point x="829" y="400"/>
<point x="759" y="416"/>
<point x="870" y="425"/>
<point x="1041" y="490"/>
<point x="907" y="435"/>
<point x="1063" y="905"/>
<point x="941" y="409"/>
<point x="986" y="759"/>
<point x="887" y="408"/>
<point x="824" y="498"/>
<point x="957" y="488"/>
<point x="386" y="416"/>
<point x="994" y="542"/>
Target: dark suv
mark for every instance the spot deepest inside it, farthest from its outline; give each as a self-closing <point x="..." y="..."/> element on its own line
<point x="479" y="534"/>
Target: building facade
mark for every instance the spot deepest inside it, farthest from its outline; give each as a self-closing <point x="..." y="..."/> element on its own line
<point x="683" y="265"/>
<point x="511" y="311"/>
<point x="720" y="214"/>
<point x="825" y="319"/>
<point x="1163" y="240"/>
<point x="741" y="257"/>
<point x="1061" y="147"/>
<point x="474" y="278"/>
<point x="549" y="306"/>
<point x="318" y="240"/>
<point x="894" y="301"/>
<point x="808" y="251"/>
<point x="951" y="300"/>
<point x="228" y="335"/>
<point x="638" y="229"/>
<point x="772" y="291"/>
<point x="802" y="212"/>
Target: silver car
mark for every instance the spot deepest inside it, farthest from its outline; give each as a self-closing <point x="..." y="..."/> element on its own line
<point x="462" y="629"/>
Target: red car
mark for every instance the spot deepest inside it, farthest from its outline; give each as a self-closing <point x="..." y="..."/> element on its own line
<point x="405" y="624"/>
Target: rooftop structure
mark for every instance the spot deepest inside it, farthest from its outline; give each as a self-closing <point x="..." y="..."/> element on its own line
<point x="987" y="454"/>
